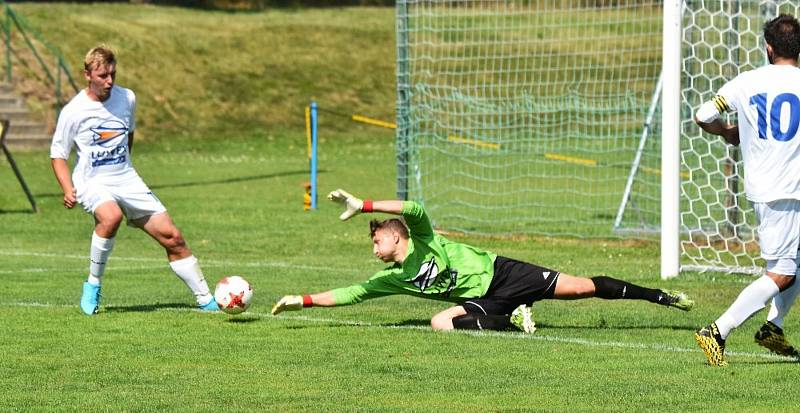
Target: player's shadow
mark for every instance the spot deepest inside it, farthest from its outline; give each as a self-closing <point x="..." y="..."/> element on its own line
<point x="233" y="180"/>
<point x="16" y="211"/>
<point x="602" y="326"/>
<point x="767" y="362"/>
<point x="146" y="308"/>
<point x="242" y="319"/>
<point x="409" y="323"/>
<point x="209" y="182"/>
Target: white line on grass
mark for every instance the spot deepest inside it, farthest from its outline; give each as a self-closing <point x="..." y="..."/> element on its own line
<point x="495" y="334"/>
<point x="209" y="263"/>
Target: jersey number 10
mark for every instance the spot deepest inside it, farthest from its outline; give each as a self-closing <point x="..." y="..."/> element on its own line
<point x="760" y="102"/>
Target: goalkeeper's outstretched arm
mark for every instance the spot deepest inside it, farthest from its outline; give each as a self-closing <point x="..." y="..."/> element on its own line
<point x="297" y="302"/>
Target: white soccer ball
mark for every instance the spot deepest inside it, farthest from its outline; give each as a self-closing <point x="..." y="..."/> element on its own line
<point x="233" y="294"/>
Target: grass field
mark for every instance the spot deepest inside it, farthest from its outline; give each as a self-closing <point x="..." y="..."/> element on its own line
<point x="239" y="203"/>
<point x="234" y="186"/>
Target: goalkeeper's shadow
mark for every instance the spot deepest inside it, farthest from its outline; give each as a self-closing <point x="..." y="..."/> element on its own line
<point x="147" y="308"/>
<point x="599" y="326"/>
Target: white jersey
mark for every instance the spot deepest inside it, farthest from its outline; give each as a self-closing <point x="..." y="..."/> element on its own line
<point x="767" y="101"/>
<point x="99" y="131"/>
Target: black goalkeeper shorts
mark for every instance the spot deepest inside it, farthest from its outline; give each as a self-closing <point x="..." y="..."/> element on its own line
<point x="514" y="283"/>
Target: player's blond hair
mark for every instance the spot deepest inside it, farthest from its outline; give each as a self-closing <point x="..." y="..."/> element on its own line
<point x="99" y="55"/>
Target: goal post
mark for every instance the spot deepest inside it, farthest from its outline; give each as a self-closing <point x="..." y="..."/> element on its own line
<point x="670" y="135"/>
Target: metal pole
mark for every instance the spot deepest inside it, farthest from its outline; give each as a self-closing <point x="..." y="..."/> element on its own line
<point x="313" y="155"/>
<point x="638" y="158"/>
<point x="403" y="100"/>
<point x="4" y="124"/>
<point x="670" y="146"/>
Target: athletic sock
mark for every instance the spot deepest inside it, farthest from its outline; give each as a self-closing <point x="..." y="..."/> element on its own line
<point x="781" y="304"/>
<point x="99" y="252"/>
<point x="614" y="289"/>
<point x="753" y="298"/>
<point x="482" y="322"/>
<point x="188" y="270"/>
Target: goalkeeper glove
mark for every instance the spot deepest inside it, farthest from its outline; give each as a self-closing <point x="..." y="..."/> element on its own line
<point x="288" y="303"/>
<point x="353" y="205"/>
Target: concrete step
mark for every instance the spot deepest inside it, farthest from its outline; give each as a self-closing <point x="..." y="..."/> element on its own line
<point x="14" y="114"/>
<point x="29" y="141"/>
<point x="9" y="100"/>
<point x="26" y="127"/>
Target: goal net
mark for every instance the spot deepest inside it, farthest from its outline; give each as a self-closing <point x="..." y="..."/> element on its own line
<point x="542" y="117"/>
<point x="524" y="117"/>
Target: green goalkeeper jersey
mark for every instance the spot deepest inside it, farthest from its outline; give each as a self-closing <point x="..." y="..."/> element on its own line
<point x="434" y="268"/>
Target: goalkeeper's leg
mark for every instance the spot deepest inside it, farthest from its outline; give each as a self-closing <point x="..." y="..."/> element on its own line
<point x="569" y="287"/>
<point x="477" y="318"/>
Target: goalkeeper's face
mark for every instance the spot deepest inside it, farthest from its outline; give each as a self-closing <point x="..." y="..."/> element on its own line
<point x="385" y="243"/>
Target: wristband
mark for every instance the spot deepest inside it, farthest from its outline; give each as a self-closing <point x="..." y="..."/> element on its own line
<point x="307" y="301"/>
<point x="367" y="207"/>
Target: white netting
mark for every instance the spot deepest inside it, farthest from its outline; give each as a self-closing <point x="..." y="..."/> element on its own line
<point x="525" y="116"/>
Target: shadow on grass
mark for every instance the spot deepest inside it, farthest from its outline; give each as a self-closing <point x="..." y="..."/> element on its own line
<point x="409" y="323"/>
<point x="427" y="323"/>
<point x="16" y="211"/>
<point x="788" y="360"/>
<point x="146" y="308"/>
<point x="204" y="183"/>
<point x="242" y="319"/>
<point x="602" y="326"/>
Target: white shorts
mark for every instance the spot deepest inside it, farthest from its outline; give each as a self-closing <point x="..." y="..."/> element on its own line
<point x="133" y="196"/>
<point x="779" y="234"/>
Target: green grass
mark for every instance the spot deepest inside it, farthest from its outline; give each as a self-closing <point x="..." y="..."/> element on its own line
<point x="226" y="154"/>
<point x="239" y="204"/>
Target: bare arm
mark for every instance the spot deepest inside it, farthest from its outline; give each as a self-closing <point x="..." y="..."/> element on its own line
<point x="62" y="172"/>
<point x="324" y="299"/>
<point x="389" y="207"/>
<point x="717" y="127"/>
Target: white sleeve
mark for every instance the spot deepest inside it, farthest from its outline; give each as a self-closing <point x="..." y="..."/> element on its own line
<point x="724" y="102"/>
<point x="63" y="138"/>
<point x="132" y="101"/>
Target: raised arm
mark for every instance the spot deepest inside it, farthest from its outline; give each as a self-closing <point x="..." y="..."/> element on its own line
<point x="354" y="206"/>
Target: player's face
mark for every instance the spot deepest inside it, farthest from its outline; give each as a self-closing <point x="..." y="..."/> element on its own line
<point x="101" y="80"/>
<point x="384" y="244"/>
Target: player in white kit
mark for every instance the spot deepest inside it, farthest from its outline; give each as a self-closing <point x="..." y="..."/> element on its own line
<point x="767" y="102"/>
<point x="99" y="123"/>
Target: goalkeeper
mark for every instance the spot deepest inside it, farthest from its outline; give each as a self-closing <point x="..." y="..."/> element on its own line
<point x="490" y="291"/>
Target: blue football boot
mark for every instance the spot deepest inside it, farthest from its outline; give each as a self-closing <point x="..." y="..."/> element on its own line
<point x="90" y="299"/>
<point x="211" y="306"/>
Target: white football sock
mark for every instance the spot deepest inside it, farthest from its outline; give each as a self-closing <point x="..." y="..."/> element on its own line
<point x="98" y="256"/>
<point x="753" y="298"/>
<point x="188" y="270"/>
<point x="781" y="304"/>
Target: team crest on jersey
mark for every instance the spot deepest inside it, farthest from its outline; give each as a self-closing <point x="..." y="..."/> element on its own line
<point x="107" y="131"/>
<point x="427" y="274"/>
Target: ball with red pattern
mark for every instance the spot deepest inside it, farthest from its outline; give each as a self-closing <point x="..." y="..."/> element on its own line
<point x="233" y="294"/>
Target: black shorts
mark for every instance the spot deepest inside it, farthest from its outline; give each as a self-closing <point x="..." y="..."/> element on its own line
<point x="514" y="283"/>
